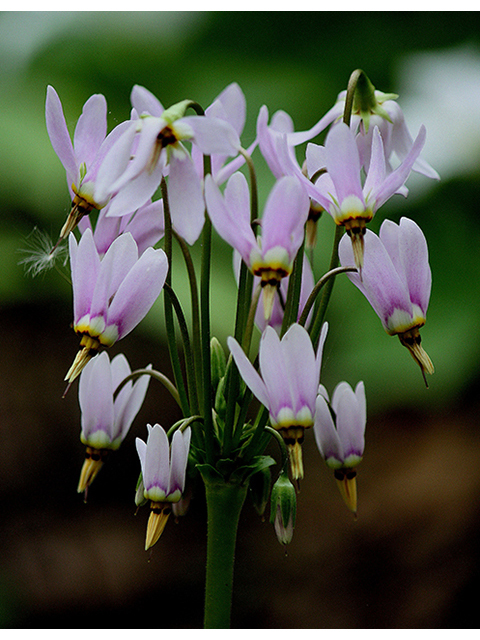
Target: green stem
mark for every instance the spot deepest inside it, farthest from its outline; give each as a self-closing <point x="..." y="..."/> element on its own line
<point x="168" y="384"/>
<point x="169" y="324"/>
<point x="327" y="291"/>
<point x="205" y="334"/>
<point x="224" y="505"/>
<point x="293" y="295"/>
<point x="196" y="341"/>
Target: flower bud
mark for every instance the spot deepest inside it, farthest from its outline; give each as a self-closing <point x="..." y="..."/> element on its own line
<point x="283" y="507"/>
<point x="219" y="362"/>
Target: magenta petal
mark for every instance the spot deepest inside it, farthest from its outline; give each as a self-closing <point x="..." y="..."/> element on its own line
<point x="233" y="102"/>
<point x="414" y="252"/>
<point x="275" y="374"/>
<point x="299" y="357"/>
<point x="349" y="419"/>
<point x="138" y="291"/>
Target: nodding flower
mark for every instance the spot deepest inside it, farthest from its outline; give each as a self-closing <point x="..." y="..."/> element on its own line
<point x="288" y="384"/>
<point x="396" y="280"/>
<point x="163" y="475"/>
<point x="112" y="294"/>
<point x="282" y="224"/>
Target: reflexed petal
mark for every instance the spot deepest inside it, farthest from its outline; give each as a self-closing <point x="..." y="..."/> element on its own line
<point x="114" y="164"/>
<point x="144" y="102"/>
<point x="350" y="427"/>
<point x="95" y="395"/>
<point x="128" y="404"/>
<point x="326" y="435"/>
<point x="147" y="225"/>
<point x="248" y="372"/>
<point x="213" y="135"/>
<point x="343" y="163"/>
<point x="115" y="265"/>
<point x="275" y="373"/>
<point x="157" y="461"/>
<point x="414" y="252"/>
<point x="230" y="214"/>
<point x="138" y="291"/>
<point x="178" y="460"/>
<point x="85" y="268"/>
<point x="91" y="129"/>
<point x="380" y="283"/>
<point x="397" y="178"/>
<point x="187" y="206"/>
<point x="59" y="136"/>
<point x="285" y="214"/>
<point x="299" y="357"/>
<point x="376" y="169"/>
<point x="137" y="191"/>
<point x="233" y="102"/>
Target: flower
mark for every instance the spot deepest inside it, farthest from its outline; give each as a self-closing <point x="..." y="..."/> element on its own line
<point x="163" y="475"/>
<point x="340" y="190"/>
<point x="388" y="116"/>
<point x="83" y="159"/>
<point x="339" y="430"/>
<point x="396" y="280"/>
<point x="111" y="295"/>
<point x="288" y="385"/>
<point x="106" y="417"/>
<point x="155" y="139"/>
<point x="282" y="225"/>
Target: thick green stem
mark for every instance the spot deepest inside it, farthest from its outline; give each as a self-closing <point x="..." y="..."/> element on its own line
<point x="224" y="505"/>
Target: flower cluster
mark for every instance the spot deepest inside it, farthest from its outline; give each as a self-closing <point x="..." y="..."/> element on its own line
<point x="207" y="182"/>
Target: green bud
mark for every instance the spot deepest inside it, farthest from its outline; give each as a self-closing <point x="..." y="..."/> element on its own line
<point x="367" y="101"/>
<point x="259" y="489"/>
<point x="219" y="362"/>
<point x="220" y="402"/>
<point x="283" y="508"/>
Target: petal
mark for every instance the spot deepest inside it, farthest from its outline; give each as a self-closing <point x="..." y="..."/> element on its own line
<point x="128" y="403"/>
<point x="85" y="267"/>
<point x="376" y="169"/>
<point x="397" y="178"/>
<point x="380" y="283"/>
<point x="187" y="206"/>
<point x="95" y="394"/>
<point x="349" y="420"/>
<point x="275" y="374"/>
<point x="147" y="225"/>
<point x="233" y="102"/>
<point x="213" y="135"/>
<point x="144" y="102"/>
<point x="343" y="162"/>
<point x="59" y="136"/>
<point x="91" y="129"/>
<point x="138" y="291"/>
<point x="326" y="435"/>
<point x="230" y="214"/>
<point x="117" y="262"/>
<point x="301" y="367"/>
<point x="248" y="372"/>
<point x="285" y="214"/>
<point x="414" y="253"/>
<point x="157" y="462"/>
<point x="178" y="461"/>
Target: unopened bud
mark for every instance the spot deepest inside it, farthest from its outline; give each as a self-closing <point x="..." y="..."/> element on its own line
<point x="283" y="507"/>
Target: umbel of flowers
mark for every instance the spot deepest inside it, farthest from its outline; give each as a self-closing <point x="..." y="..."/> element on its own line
<point x="233" y="401"/>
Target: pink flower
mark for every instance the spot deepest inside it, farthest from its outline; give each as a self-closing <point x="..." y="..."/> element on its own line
<point x="111" y="295"/>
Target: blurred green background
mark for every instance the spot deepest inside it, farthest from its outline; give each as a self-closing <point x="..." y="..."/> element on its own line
<point x="62" y="561"/>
